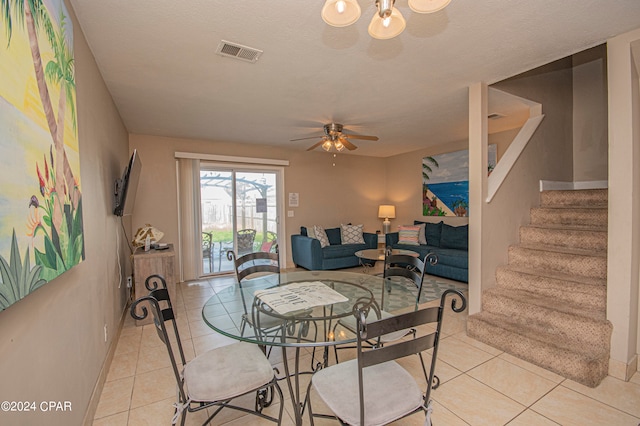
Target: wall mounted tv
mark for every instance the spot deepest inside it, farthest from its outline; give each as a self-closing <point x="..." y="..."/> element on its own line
<point x="126" y="187"/>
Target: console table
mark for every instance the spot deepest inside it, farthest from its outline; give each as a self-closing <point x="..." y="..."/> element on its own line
<point x="145" y="263"/>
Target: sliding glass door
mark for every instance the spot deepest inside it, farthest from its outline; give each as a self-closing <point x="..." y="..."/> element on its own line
<point x="239" y="212"/>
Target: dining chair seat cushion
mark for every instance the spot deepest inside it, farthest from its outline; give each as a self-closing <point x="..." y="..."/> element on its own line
<point x="350" y="324"/>
<point x="226" y="372"/>
<point x="390" y="392"/>
<point x="266" y="321"/>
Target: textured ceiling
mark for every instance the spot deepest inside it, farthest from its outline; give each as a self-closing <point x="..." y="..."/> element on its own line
<point x="158" y="60"/>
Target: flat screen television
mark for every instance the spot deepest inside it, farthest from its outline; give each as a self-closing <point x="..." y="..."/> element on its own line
<point x="126" y="187"/>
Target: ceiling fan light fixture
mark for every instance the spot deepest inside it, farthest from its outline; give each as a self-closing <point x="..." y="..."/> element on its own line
<point x="428" y="6"/>
<point x="339" y="146"/>
<point x="388" y="22"/>
<point x="327" y="145"/>
<point x="340" y="13"/>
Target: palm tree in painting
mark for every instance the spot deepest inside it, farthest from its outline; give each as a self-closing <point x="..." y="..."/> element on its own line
<point x="429" y="207"/>
<point x="64" y="244"/>
<point x="427" y="168"/>
<point x="34" y="15"/>
<point x="60" y="71"/>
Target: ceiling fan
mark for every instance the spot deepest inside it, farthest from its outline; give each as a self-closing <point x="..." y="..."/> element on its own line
<point x="333" y="137"/>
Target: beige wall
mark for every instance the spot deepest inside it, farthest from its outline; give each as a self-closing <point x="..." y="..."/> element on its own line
<point x="590" y="139"/>
<point x="624" y="202"/>
<point x="329" y="195"/>
<point x="547" y="156"/>
<point x="52" y="345"/>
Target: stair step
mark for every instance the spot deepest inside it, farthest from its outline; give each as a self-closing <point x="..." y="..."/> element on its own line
<point x="591" y="292"/>
<point x="584" y="364"/>
<point x="593" y="217"/>
<point x="542" y="313"/>
<point x="577" y="262"/>
<point x="585" y="238"/>
<point x="584" y="197"/>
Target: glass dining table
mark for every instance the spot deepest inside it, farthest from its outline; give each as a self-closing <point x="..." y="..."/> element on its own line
<point x="299" y="310"/>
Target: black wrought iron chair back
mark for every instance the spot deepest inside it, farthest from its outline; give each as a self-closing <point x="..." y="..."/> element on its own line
<point x="395" y="265"/>
<point x="389" y="392"/>
<point x="410" y="267"/>
<point x="201" y="381"/>
<point x="250" y="264"/>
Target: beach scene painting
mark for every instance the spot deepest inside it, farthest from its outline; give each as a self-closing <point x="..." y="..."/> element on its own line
<point x="41" y="232"/>
<point x="445" y="182"/>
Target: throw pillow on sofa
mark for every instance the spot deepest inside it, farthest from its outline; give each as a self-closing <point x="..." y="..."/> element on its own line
<point x="408" y="235"/>
<point x="455" y="237"/>
<point x="432" y="232"/>
<point x="351" y="234"/>
<point x="422" y="238"/>
<point x="321" y="235"/>
<point x="311" y="233"/>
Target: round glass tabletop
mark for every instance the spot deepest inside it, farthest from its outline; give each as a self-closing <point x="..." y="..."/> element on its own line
<point x="378" y="254"/>
<point x="301" y="308"/>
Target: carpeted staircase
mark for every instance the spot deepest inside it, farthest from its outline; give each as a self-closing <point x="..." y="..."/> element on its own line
<point x="549" y="303"/>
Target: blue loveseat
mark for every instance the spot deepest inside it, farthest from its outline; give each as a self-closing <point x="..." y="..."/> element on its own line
<point x="451" y="245"/>
<point x="308" y="254"/>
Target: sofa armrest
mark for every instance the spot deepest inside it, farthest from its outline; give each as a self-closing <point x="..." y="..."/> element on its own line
<point x="306" y="252"/>
<point x="371" y="240"/>
<point x="391" y="238"/>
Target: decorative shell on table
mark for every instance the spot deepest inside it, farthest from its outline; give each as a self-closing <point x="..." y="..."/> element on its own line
<point x="153" y="233"/>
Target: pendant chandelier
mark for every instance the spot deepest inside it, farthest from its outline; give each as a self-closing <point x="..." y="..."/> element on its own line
<point x="387" y="23"/>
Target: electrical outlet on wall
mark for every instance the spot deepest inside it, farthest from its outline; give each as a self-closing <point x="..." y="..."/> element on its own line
<point x="129" y="281"/>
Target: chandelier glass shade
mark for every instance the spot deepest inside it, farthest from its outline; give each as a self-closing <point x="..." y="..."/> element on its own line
<point x="387" y="23"/>
<point x="340" y="13"/>
<point x="428" y="6"/>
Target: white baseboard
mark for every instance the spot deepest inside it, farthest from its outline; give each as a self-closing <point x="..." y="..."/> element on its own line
<point x="623" y="371"/>
<point x="552" y="185"/>
<point x="104" y="371"/>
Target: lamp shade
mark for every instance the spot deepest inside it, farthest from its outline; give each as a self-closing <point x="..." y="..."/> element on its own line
<point x="387" y="212"/>
<point x="384" y="28"/>
<point x="340" y="13"/>
<point x="428" y="6"/>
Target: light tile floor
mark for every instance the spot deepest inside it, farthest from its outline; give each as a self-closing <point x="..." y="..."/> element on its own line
<point x="479" y="384"/>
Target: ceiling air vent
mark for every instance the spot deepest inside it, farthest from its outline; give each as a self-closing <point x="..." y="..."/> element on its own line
<point x="238" y="51"/>
<point x="495" y="116"/>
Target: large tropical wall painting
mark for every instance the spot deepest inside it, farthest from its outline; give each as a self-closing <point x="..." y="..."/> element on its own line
<point x="40" y="203"/>
<point x="445" y="182"/>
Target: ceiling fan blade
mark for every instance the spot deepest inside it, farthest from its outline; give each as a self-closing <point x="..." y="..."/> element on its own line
<point x="367" y="138"/>
<point x="348" y="144"/>
<point x="314" y="146"/>
<point x="302" y="139"/>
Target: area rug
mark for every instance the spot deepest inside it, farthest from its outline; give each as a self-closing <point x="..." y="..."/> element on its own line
<point x="432" y="289"/>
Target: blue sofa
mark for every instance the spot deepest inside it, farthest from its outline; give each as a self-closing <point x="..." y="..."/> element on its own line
<point x="450" y="243"/>
<point x="308" y="254"/>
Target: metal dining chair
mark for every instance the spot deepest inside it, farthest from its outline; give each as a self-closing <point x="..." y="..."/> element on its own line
<point x="251" y="265"/>
<point x="395" y="265"/>
<point x="374" y="389"/>
<point x="212" y="379"/>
